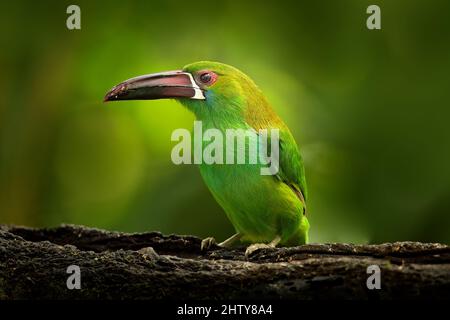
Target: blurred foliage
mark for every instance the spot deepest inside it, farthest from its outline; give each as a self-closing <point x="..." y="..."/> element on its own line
<point x="369" y="108"/>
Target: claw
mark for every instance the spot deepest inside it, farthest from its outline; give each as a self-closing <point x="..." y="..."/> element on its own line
<point x="255" y="247"/>
<point x="207" y="243"/>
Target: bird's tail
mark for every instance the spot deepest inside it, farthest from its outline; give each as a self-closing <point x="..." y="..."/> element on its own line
<point x="301" y="235"/>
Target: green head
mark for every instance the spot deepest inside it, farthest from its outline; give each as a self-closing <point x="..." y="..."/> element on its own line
<point x="211" y="90"/>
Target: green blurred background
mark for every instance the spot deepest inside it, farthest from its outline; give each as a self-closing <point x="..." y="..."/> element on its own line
<point x="370" y="110"/>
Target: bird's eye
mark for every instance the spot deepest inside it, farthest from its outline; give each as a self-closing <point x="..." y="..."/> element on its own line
<point x="206" y="77"/>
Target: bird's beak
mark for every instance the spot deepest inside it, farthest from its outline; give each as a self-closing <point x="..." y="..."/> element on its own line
<point x="165" y="85"/>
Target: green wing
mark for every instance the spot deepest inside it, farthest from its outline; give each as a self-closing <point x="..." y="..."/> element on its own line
<point x="291" y="170"/>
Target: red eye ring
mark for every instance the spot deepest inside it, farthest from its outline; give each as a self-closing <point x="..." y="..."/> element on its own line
<point x="207" y="77"/>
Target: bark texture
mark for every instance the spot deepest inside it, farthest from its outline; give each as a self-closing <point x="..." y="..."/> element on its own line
<point x="113" y="265"/>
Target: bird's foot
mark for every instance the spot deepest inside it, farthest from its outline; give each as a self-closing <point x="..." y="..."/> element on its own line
<point x="255" y="247"/>
<point x="228" y="243"/>
<point x="207" y="243"/>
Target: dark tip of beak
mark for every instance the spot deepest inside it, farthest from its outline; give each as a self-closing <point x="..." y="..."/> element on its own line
<point x="116" y="92"/>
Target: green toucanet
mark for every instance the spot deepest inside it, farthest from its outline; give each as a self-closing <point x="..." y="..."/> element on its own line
<point x="265" y="210"/>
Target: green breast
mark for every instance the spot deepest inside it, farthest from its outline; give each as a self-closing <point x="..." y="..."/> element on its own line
<point x="257" y="205"/>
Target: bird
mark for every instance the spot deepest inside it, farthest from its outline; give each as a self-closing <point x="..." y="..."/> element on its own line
<point x="266" y="211"/>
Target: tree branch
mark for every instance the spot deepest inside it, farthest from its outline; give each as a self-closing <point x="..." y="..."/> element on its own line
<point x="33" y="265"/>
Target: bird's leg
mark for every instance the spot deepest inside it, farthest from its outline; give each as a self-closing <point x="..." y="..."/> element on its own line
<point x="256" y="246"/>
<point x="231" y="240"/>
<point x="208" y="242"/>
